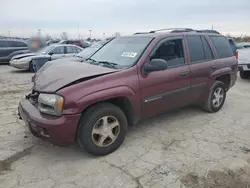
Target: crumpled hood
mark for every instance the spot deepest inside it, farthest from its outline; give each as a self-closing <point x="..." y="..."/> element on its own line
<point x="22" y="56"/>
<point x="57" y="75"/>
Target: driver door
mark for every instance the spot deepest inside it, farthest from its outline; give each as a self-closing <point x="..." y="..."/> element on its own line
<point x="71" y="51"/>
<point x="167" y="89"/>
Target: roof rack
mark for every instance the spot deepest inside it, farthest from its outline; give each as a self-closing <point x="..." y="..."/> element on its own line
<point x="173" y="29"/>
<point x="208" y="31"/>
<point x="140" y="33"/>
<point x="180" y="30"/>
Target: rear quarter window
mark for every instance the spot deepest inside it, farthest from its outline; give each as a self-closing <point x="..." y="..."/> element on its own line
<point x="222" y="46"/>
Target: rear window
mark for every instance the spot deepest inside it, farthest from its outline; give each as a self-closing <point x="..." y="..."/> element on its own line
<point x="222" y="46"/>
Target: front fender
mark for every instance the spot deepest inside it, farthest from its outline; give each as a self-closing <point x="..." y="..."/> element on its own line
<point x="115" y="92"/>
<point x="11" y="55"/>
<point x="220" y="72"/>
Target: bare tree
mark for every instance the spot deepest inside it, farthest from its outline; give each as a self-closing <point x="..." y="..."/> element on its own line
<point x="64" y="36"/>
<point x="117" y="34"/>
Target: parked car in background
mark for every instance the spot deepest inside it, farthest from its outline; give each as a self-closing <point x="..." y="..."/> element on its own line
<point x="80" y="57"/>
<point x="54" y="51"/>
<point x="86" y="44"/>
<point x="128" y="79"/>
<point x="232" y="44"/>
<point x="49" y="42"/>
<point x="75" y="42"/>
<point x="242" y="45"/>
<point x="244" y="62"/>
<point x="89" y="51"/>
<point x="10" y="47"/>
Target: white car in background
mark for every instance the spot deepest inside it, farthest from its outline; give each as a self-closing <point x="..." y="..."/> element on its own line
<point x="52" y="52"/>
<point x="244" y="62"/>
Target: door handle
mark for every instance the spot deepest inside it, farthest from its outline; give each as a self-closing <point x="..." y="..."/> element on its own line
<point x="184" y="73"/>
<point x="213" y="67"/>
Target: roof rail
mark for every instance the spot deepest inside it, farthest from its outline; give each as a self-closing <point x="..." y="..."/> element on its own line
<point x="174" y="29"/>
<point x="180" y="30"/>
<point x="207" y="31"/>
<point x="137" y="33"/>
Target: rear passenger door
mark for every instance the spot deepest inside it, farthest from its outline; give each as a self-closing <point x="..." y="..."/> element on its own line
<point x="202" y="64"/>
<point x="71" y="51"/>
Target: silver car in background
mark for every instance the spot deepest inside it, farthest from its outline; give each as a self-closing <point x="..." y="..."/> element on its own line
<point x="52" y="52"/>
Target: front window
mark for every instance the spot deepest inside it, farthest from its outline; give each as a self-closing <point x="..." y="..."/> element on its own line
<point x="45" y="50"/>
<point x="124" y="51"/>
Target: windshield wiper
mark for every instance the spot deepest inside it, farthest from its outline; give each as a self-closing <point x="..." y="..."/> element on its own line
<point x="78" y="56"/>
<point x="93" y="60"/>
<point x="113" y="65"/>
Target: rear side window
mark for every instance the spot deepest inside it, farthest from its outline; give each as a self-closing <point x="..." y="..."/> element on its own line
<point x="222" y="46"/>
<point x="71" y="49"/>
<point x="21" y="44"/>
<point x="3" y="44"/>
<point x="196" y="50"/>
<point x="207" y="49"/>
<point x="17" y="44"/>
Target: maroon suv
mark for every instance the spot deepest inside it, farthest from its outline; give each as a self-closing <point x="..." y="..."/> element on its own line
<point x="130" y="78"/>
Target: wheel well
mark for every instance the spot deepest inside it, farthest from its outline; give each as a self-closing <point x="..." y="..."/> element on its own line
<point x="124" y="104"/>
<point x="225" y="79"/>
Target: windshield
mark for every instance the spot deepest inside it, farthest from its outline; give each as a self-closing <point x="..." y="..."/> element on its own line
<point x="45" y="50"/>
<point x="123" y="51"/>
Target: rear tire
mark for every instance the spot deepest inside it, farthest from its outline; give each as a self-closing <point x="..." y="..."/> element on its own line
<point x="216" y="97"/>
<point x="244" y="74"/>
<point x="92" y="129"/>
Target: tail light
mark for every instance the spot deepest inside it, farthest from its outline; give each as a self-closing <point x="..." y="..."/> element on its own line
<point x="236" y="54"/>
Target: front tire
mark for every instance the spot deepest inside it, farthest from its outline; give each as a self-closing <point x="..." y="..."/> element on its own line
<point x="102" y="129"/>
<point x="244" y="74"/>
<point x="31" y="67"/>
<point x="216" y="97"/>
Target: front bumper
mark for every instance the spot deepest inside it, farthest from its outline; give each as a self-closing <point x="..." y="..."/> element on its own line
<point x="233" y="78"/>
<point x="244" y="67"/>
<point x="19" y="64"/>
<point x="58" y="130"/>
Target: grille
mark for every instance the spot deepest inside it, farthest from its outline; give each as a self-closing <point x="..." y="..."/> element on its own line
<point x="33" y="97"/>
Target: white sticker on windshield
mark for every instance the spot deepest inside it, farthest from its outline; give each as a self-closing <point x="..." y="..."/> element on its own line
<point x="129" y="54"/>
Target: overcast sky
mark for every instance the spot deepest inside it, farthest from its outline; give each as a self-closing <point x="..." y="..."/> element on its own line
<point x="24" y="17"/>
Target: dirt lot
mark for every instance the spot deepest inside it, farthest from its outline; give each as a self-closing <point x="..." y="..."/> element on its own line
<point x="187" y="148"/>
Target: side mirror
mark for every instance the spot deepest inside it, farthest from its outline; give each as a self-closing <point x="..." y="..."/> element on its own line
<point x="155" y="65"/>
<point x="51" y="53"/>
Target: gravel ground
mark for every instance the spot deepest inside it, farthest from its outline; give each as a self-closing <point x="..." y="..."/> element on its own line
<point x="186" y="148"/>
